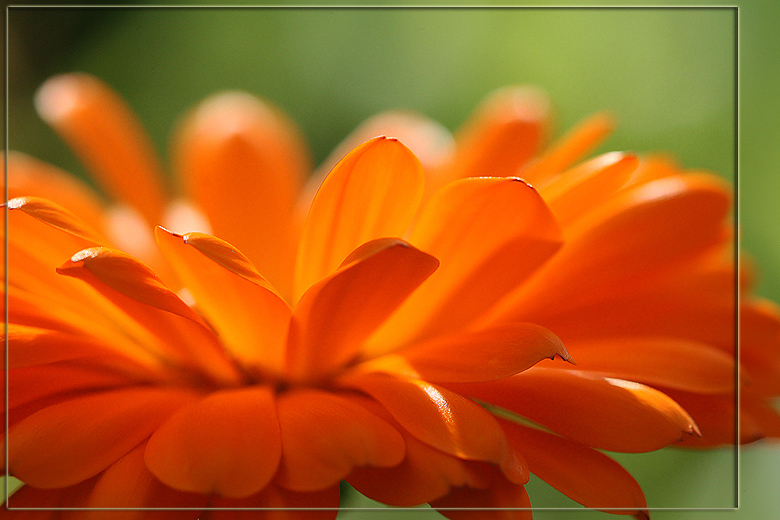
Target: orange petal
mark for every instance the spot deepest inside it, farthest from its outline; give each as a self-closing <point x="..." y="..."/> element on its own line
<point x="316" y="455"/>
<point x="503" y="134"/>
<point x="247" y="313"/>
<point x="334" y="317"/>
<point x="715" y="416"/>
<point x="30" y="177"/>
<point x="299" y="505"/>
<point x="29" y="503"/>
<point x="604" y="413"/>
<point x="424" y="475"/>
<point x="569" y="149"/>
<point x="484" y="355"/>
<point x="227" y="443"/>
<point x="129" y="484"/>
<point x="635" y="239"/>
<point x="105" y="134"/>
<point x="583" y="474"/>
<point x="372" y="193"/>
<point x="588" y="185"/>
<point x="441" y="418"/>
<point x="659" y="361"/>
<point x="503" y="500"/>
<point x="243" y="163"/>
<point x="55" y="216"/>
<point x="489" y="234"/>
<point x="74" y="440"/>
<point x="136" y="289"/>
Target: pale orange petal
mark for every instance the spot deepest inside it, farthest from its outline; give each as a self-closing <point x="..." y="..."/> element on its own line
<point x="28" y="176"/>
<point x="227" y="443"/>
<point x="250" y="317"/>
<point x="605" y="413"/>
<point x="583" y="474"/>
<point x="484" y="355"/>
<point x="335" y="316"/>
<point x="317" y="456"/>
<point x="105" y="134"/>
<point x="66" y="443"/>
<point x="489" y="234"/>
<point x="372" y="193"/>
<point x="436" y="416"/>
<point x="243" y="163"/>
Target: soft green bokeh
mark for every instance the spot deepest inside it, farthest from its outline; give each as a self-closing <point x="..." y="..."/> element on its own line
<point x="667" y="74"/>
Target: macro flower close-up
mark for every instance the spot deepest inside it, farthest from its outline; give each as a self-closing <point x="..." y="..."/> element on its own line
<point x="393" y="330"/>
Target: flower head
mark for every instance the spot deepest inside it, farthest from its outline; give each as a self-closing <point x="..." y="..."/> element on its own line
<point x="391" y="330"/>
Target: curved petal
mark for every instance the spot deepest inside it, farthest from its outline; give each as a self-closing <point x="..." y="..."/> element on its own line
<point x="484" y="355"/>
<point x="298" y="505"/>
<point x="588" y="185"/>
<point x="28" y="176"/>
<point x="502" y="500"/>
<point x="659" y="361"/>
<point x="335" y="316"/>
<point x="324" y="436"/>
<point x="570" y="148"/>
<point x="29" y="346"/>
<point x="227" y="443"/>
<point x="372" y="193"/>
<point x="243" y="163"/>
<point x="105" y="134"/>
<point x="436" y="416"/>
<point x="129" y="484"/>
<point x="604" y="413"/>
<point x="55" y="216"/>
<point x="247" y="313"/>
<point x="31" y="503"/>
<point x="68" y="442"/>
<point x="489" y="234"/>
<point x="503" y="134"/>
<point x="641" y="235"/>
<point x="583" y="474"/>
<point x="135" y="289"/>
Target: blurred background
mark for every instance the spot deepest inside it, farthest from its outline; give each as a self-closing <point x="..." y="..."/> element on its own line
<point x="668" y="74"/>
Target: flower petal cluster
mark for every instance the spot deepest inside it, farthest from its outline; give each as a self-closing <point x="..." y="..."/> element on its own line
<point x="251" y="338"/>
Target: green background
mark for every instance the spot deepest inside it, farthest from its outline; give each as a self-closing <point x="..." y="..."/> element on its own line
<point x="668" y="74"/>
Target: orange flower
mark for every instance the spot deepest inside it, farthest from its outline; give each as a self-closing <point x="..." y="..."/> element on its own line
<point x="378" y="331"/>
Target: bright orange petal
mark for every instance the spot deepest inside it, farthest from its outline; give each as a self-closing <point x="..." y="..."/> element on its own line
<point x="484" y="355"/>
<point x="243" y="163"/>
<point x="583" y="474"/>
<point x="638" y="237"/>
<point x="659" y="361"/>
<point x="345" y="435"/>
<point x="107" y="137"/>
<point x="55" y="216"/>
<point x="372" y="193"/>
<point x="605" y="413"/>
<point x="334" y="317"/>
<point x="569" y="149"/>
<point x="227" y="443"/>
<point x="136" y="289"/>
<point x="489" y="234"/>
<point x="588" y="185"/>
<point x="66" y="443"/>
<point x="247" y="313"/>
<point x="436" y="416"/>
<point x="503" y="134"/>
